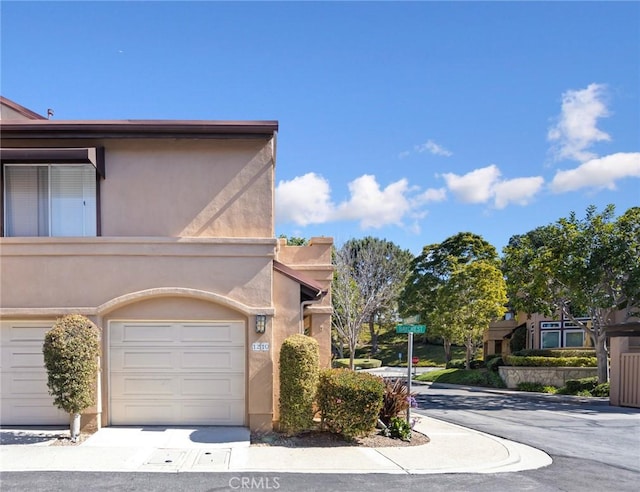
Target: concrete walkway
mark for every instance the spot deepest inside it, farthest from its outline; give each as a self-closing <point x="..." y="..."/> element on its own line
<point x="452" y="449"/>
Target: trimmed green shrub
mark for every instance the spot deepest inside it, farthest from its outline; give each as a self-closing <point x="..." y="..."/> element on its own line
<point x="299" y="372"/>
<point x="574" y="386"/>
<point x="518" y="339"/>
<point x="349" y="401"/>
<point x="583" y="352"/>
<point x="538" y="361"/>
<point x="461" y="364"/>
<point x="396" y="400"/>
<point x="71" y="349"/>
<point x="358" y="363"/>
<point x="537" y="388"/>
<point x="494" y="362"/>
<point x="602" y="389"/>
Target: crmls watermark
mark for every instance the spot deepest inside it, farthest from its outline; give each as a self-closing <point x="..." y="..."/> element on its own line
<point x="264" y="483"/>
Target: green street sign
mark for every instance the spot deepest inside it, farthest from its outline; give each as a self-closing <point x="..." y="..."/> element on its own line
<point x="411" y="329"/>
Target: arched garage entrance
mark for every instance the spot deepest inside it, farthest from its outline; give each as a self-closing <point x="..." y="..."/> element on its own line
<point x="175" y="360"/>
<point x="177" y="372"/>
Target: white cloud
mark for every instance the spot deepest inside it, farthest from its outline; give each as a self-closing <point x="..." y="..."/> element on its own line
<point x="432" y="195"/>
<point x="598" y="173"/>
<point x="475" y="186"/>
<point x="304" y="200"/>
<point x="429" y="146"/>
<point x="484" y="184"/>
<point x="434" y="148"/>
<point x="307" y="200"/>
<point x="519" y="191"/>
<point x="576" y="128"/>
<point x="375" y="207"/>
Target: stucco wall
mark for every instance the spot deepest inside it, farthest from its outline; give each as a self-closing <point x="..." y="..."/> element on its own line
<point x="548" y="376"/>
<point x="87" y="272"/>
<point x="182" y="187"/>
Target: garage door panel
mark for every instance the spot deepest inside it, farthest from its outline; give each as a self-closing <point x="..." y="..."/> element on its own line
<point x="32" y="333"/>
<point x="186" y="412"/>
<point x="151" y="385"/>
<point x="142" y="413"/>
<point x="25" y="398"/>
<point x="213" y="360"/>
<point x="142" y="333"/>
<point x="186" y="359"/>
<point x="141" y="386"/>
<point x="211" y="386"/>
<point x="25" y="384"/>
<point x="213" y="413"/>
<point x="131" y="359"/>
<point x="186" y="373"/>
<point x="31" y="412"/>
<point x="227" y="333"/>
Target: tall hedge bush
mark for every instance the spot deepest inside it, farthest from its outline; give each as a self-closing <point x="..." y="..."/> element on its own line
<point x="71" y="350"/>
<point x="299" y="370"/>
<point x="350" y="402"/>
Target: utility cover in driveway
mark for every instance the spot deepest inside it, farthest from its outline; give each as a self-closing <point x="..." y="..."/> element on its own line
<point x="177" y="373"/>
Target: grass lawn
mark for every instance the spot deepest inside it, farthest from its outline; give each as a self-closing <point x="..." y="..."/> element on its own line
<point x="390" y="344"/>
<point x="471" y="377"/>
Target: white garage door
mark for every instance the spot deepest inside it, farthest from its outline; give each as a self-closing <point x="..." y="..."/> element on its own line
<point x="177" y="373"/>
<point x="25" y="398"/>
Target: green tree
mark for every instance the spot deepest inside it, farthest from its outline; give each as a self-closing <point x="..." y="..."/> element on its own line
<point x="431" y="270"/>
<point x="71" y="350"/>
<point x="579" y="267"/>
<point x="294" y="240"/>
<point x="474" y="295"/>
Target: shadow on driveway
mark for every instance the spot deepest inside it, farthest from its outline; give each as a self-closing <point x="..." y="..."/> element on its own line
<point x="26" y="436"/>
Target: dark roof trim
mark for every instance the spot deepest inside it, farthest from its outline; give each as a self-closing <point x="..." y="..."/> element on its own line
<point x="26" y="112"/>
<point x="30" y="129"/>
<point x="628" y="329"/>
<point x="308" y="287"/>
<point x="87" y="155"/>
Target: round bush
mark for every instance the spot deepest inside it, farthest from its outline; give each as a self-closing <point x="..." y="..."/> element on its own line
<point x="71" y="349"/>
<point x="350" y="401"/>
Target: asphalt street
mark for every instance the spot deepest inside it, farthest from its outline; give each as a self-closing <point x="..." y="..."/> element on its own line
<point x="593" y="446"/>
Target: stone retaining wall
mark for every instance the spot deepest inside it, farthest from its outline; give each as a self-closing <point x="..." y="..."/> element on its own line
<point x="548" y="376"/>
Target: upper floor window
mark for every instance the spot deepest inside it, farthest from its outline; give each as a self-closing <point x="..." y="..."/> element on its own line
<point x="50" y="200"/>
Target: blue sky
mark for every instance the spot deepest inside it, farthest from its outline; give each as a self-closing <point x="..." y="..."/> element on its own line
<point x="406" y="121"/>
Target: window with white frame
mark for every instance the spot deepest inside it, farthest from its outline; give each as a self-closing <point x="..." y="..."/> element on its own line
<point x="574" y="338"/>
<point x="49" y="200"/>
<point x="550" y="339"/>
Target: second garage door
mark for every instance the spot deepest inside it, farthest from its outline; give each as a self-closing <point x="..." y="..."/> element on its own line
<point x="177" y="373"/>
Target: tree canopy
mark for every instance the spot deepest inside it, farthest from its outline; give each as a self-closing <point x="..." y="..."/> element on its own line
<point x="579" y="267"/>
<point x="442" y="276"/>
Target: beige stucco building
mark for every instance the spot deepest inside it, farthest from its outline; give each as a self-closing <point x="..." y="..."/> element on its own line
<point x="162" y="233"/>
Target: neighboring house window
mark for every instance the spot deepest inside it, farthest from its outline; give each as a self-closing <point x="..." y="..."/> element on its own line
<point x="550" y="339"/>
<point x="50" y="200"/>
<point x="574" y="338"/>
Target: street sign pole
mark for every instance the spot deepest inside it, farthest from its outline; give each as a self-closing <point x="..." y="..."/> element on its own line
<point x="409" y="363"/>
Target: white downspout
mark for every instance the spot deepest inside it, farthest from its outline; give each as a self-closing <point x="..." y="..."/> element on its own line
<point x="304" y="304"/>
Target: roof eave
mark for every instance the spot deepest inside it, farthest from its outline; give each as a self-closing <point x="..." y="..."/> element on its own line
<point x="33" y="129"/>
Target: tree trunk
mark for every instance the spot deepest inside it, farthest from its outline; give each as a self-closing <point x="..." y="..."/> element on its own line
<point x="469" y="346"/>
<point x="352" y="355"/>
<point x="447" y="350"/>
<point x="603" y="359"/>
<point x="374" y="337"/>
<point x="75" y="427"/>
